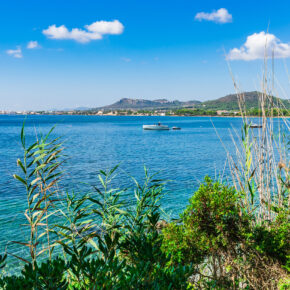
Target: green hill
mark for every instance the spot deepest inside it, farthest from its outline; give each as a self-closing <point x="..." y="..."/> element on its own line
<point x="141" y="104"/>
<point x="230" y="102"/>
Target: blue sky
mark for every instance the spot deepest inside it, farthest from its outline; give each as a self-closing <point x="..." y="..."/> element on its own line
<point x="154" y="49"/>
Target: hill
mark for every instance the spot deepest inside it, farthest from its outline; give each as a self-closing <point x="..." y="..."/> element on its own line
<point x="141" y="104"/>
<point x="230" y="102"/>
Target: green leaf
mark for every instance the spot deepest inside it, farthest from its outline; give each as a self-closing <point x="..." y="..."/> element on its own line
<point x="22" y="135"/>
<point x="20" y="179"/>
<point x="251" y="192"/>
<point x="19" y="163"/>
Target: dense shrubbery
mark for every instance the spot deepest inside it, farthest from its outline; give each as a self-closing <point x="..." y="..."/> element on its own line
<point x="211" y="223"/>
<point x="194" y="112"/>
<point x="275" y="112"/>
<point x="107" y="243"/>
<point x="208" y="248"/>
<point x="228" y="248"/>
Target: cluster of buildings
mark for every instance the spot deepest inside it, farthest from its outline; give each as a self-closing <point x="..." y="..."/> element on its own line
<point x="97" y="113"/>
<point x="110" y="112"/>
<point x="3" y="112"/>
<point x="129" y="113"/>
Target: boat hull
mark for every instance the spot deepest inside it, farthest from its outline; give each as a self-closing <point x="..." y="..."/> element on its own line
<point x="155" y="127"/>
<point x="255" y="126"/>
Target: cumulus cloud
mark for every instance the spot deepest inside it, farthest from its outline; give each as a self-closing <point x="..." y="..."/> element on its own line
<point x="257" y="44"/>
<point x="17" y="53"/>
<point x="32" y="44"/>
<point x="91" y="32"/>
<point x="220" y="16"/>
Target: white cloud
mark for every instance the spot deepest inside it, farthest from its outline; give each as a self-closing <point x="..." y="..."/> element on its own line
<point x="32" y="44"/>
<point x="257" y="44"/>
<point x="17" y="53"/>
<point x="91" y="32"/>
<point x="220" y="16"/>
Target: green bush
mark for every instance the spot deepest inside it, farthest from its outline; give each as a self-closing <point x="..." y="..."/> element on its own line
<point x="212" y="222"/>
<point x="49" y="275"/>
<point x="273" y="239"/>
<point x="226" y="247"/>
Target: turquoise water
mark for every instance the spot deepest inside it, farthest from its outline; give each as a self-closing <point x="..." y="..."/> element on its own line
<point x="95" y="142"/>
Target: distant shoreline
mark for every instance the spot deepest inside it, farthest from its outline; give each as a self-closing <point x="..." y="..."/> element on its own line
<point x="212" y="116"/>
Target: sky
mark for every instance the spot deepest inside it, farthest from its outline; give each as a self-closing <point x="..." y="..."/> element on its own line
<point x="90" y="53"/>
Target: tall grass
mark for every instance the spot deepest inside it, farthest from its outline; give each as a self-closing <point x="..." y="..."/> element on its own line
<point x="40" y="174"/>
<point x="260" y="164"/>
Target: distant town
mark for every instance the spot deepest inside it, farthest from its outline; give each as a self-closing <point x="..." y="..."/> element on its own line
<point x="178" y="112"/>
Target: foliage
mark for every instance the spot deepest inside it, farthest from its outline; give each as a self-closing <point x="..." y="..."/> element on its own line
<point x="217" y="235"/>
<point x="273" y="240"/>
<point x="194" y="112"/>
<point x="205" y="249"/>
<point x="210" y="222"/>
<point x="49" y="275"/>
<point x="40" y="174"/>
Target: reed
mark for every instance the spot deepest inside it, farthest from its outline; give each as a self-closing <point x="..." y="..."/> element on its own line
<point x="260" y="164"/>
<point x="39" y="175"/>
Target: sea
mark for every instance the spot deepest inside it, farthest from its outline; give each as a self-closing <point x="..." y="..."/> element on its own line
<point x="182" y="158"/>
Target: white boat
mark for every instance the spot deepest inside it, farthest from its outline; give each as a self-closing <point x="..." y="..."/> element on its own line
<point x="158" y="126"/>
<point x="253" y="125"/>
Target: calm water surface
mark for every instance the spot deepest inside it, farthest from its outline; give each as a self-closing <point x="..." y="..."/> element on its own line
<point x="93" y="142"/>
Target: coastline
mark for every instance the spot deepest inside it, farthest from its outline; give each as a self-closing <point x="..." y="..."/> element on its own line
<point x="120" y="115"/>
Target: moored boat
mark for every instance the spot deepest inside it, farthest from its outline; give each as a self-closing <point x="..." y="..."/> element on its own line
<point x="255" y="126"/>
<point x="158" y="126"/>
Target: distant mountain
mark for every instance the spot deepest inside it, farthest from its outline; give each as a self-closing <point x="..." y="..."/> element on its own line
<point x="230" y="102"/>
<point x="141" y="104"/>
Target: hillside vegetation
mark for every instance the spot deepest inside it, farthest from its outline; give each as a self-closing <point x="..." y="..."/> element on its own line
<point x="141" y="104"/>
<point x="230" y="102"/>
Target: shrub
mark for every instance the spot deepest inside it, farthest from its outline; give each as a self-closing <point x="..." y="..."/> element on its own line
<point x="228" y="250"/>
<point x="272" y="239"/>
<point x="49" y="275"/>
<point x="212" y="222"/>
